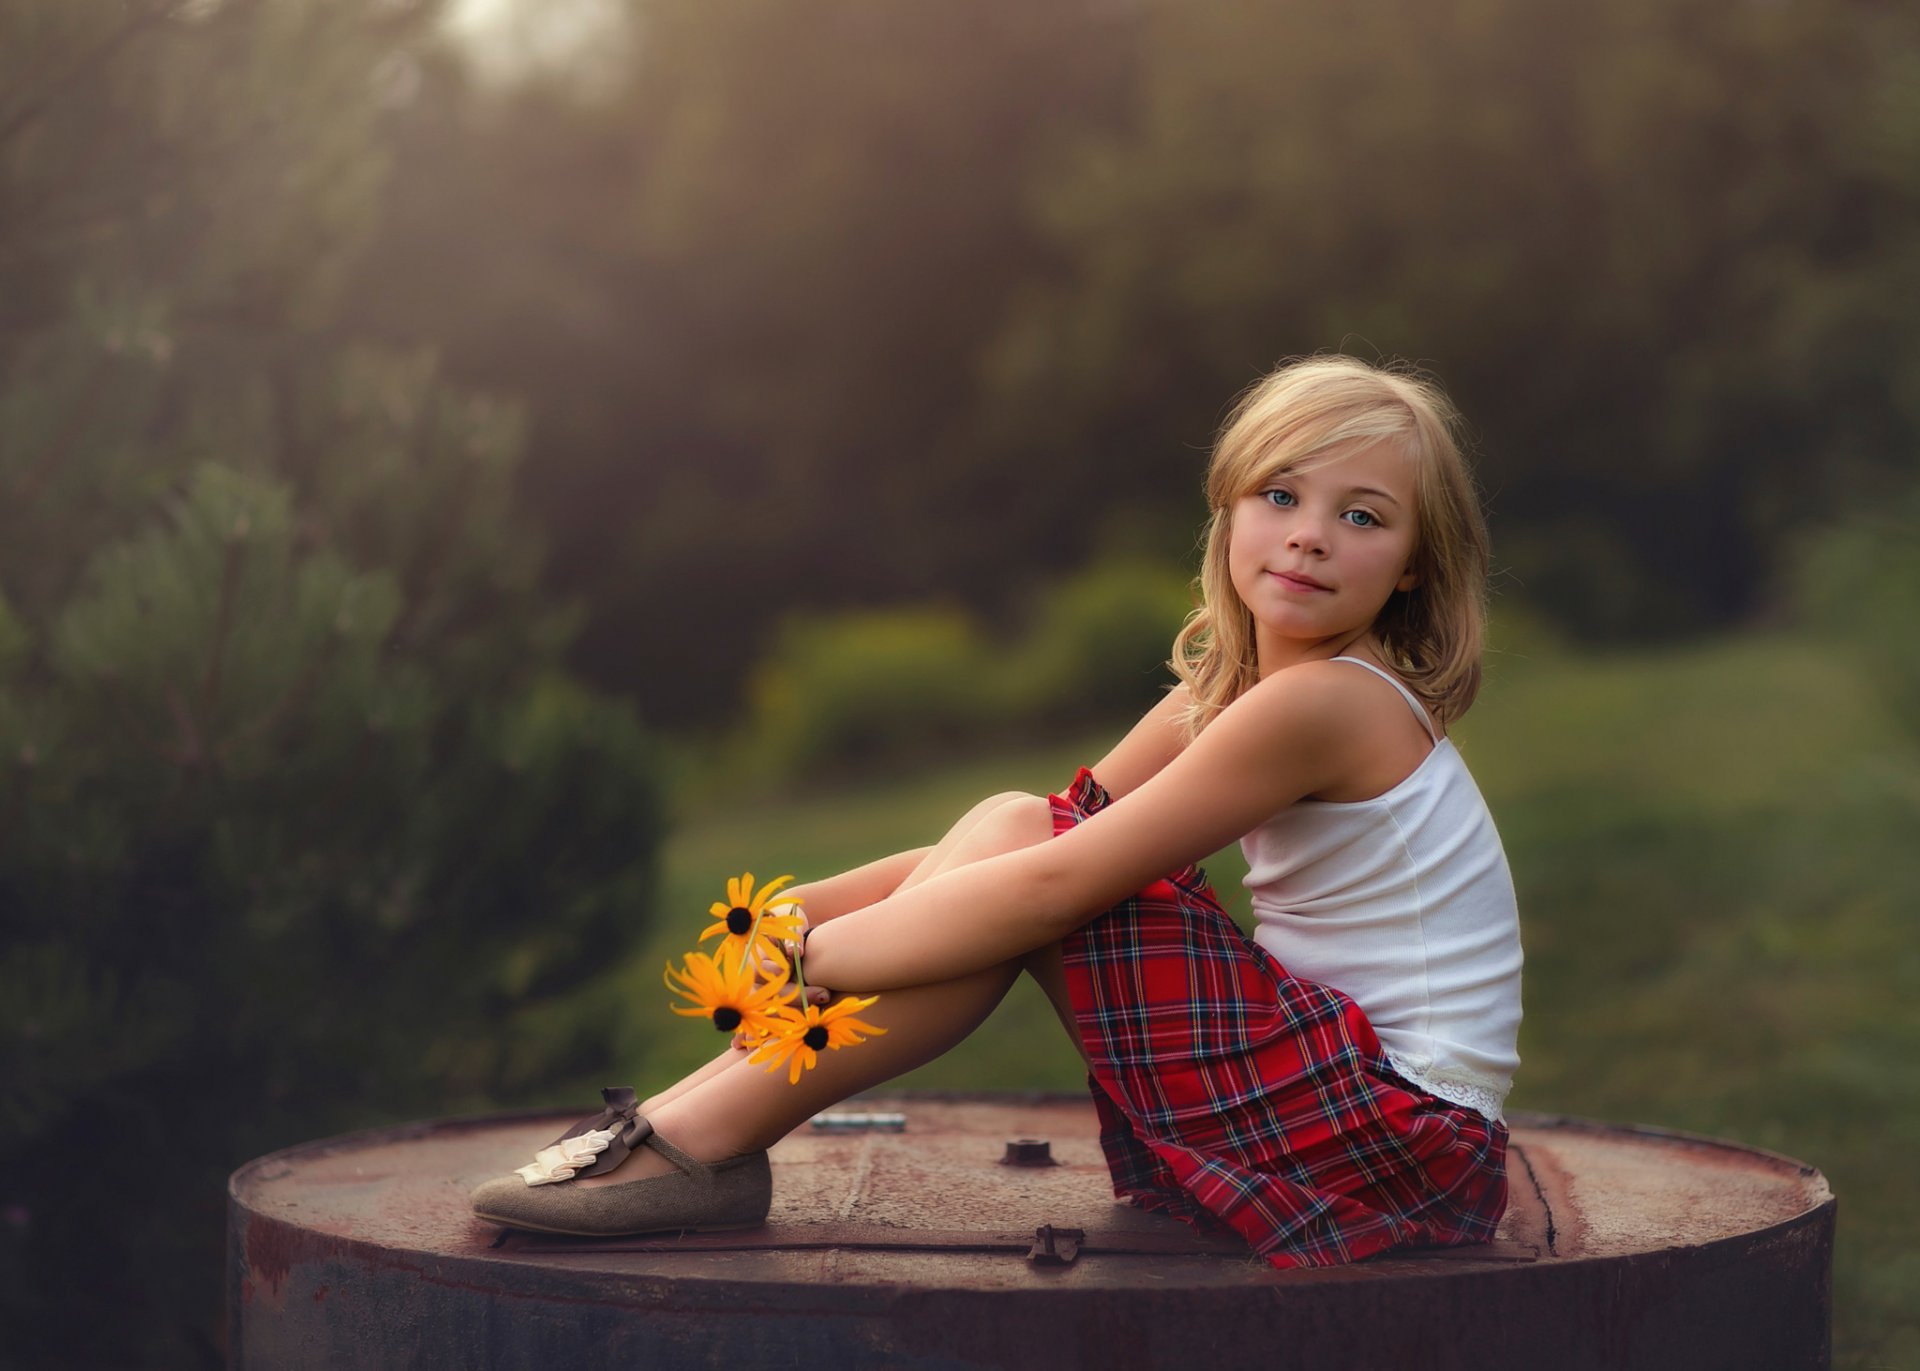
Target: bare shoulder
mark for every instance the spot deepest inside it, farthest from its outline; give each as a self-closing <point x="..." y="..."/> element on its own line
<point x="1360" y="730"/>
<point x="1277" y="743"/>
<point x="1307" y="732"/>
<point x="1314" y="695"/>
<point x="1337" y="735"/>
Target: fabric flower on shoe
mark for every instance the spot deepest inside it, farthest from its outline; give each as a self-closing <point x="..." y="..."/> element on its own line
<point x="559" y="1161"/>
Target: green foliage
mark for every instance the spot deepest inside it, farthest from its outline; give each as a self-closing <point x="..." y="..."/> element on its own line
<point x="769" y="263"/>
<point x="860" y="689"/>
<point x="1096" y="647"/>
<point x="261" y="803"/>
<point x="950" y="310"/>
<point x="1717" y="880"/>
<point x="1859" y="584"/>
<point x="1524" y="196"/>
<point x="876" y="690"/>
<point x="305" y="821"/>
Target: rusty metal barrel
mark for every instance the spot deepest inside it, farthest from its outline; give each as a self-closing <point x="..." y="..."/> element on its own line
<point x="981" y="1231"/>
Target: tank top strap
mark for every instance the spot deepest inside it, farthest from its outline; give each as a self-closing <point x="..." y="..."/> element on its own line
<point x="1413" y="701"/>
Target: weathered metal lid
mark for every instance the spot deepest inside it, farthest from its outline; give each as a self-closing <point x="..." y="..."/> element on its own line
<point x="1622" y="1247"/>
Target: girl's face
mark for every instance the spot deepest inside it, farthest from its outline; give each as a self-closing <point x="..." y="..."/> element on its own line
<point x="1315" y="554"/>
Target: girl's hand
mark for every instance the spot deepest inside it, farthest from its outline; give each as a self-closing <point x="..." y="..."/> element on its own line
<point x="815" y="994"/>
<point x="791" y="947"/>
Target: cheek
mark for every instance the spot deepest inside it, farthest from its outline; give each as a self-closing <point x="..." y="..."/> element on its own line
<point x="1236" y="545"/>
<point x="1396" y="548"/>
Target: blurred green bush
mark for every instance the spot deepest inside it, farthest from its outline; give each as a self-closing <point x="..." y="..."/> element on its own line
<point x="1858" y="583"/>
<point x="281" y="856"/>
<point x="303" y="822"/>
<point x="848" y="691"/>
<point x="856" y="692"/>
<point x="1096" y="643"/>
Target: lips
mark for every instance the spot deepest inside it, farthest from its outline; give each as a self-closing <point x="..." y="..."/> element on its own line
<point x="1298" y="580"/>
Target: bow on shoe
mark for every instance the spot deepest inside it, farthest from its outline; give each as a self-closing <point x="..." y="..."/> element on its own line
<point x="593" y="1146"/>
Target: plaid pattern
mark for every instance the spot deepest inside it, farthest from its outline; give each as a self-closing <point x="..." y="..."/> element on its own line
<point x="1233" y="1094"/>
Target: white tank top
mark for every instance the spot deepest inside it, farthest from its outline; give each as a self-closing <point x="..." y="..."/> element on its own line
<point x="1403" y="903"/>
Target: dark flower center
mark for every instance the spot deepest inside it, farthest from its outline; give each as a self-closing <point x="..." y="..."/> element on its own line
<point x="816" y="1037"/>
<point x="739" y="920"/>
<point x="726" y="1018"/>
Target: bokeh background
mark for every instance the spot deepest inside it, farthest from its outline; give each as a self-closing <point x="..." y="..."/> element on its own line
<point x="472" y="477"/>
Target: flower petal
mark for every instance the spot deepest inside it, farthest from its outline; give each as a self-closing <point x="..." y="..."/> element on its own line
<point x="760" y="900"/>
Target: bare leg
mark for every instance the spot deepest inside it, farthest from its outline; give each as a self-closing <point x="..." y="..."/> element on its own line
<point x="939" y="857"/>
<point x="734" y="1107"/>
<point x="998" y="824"/>
<point x="948" y="851"/>
<point x="1049" y="972"/>
<point x="713" y="1068"/>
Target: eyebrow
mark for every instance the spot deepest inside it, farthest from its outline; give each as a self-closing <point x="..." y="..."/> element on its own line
<point x="1370" y="490"/>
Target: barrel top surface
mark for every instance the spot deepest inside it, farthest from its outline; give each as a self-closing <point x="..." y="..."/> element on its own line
<point x="935" y="1203"/>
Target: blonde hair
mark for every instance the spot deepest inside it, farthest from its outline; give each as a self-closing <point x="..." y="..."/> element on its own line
<point x="1432" y="634"/>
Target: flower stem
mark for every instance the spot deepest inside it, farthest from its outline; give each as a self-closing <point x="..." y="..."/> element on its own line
<point x="753" y="936"/>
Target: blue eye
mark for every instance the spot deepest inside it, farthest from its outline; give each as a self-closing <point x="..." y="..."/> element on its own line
<point x="1282" y="498"/>
<point x="1361" y="518"/>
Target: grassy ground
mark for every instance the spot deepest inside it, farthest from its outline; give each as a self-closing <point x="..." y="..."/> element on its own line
<point x="1718" y="881"/>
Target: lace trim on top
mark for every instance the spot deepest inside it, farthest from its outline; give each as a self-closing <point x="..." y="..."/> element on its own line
<point x="1486" y="1100"/>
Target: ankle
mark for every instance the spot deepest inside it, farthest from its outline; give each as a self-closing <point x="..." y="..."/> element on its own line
<point x="705" y="1140"/>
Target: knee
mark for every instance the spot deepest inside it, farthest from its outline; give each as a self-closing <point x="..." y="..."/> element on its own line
<point x="1019" y="820"/>
<point x="992" y="803"/>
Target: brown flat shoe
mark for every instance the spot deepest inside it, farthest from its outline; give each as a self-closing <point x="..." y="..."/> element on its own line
<point x="699" y="1197"/>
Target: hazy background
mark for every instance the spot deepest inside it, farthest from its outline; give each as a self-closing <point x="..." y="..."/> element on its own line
<point x="474" y="477"/>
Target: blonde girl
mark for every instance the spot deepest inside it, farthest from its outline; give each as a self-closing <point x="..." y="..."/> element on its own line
<point x="1332" y="1086"/>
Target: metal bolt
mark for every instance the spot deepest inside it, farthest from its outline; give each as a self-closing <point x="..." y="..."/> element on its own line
<point x="1029" y="1152"/>
<point x="1055" y="1246"/>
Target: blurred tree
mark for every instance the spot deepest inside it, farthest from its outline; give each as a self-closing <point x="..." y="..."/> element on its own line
<point x="303" y="820"/>
<point x="1653" y="248"/>
<point x="860" y="303"/>
<point x="743" y="295"/>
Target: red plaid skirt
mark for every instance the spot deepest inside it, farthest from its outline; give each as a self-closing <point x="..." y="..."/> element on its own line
<point x="1231" y="1093"/>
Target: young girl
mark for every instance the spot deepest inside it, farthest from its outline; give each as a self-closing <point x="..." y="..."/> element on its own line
<point x="1330" y="1088"/>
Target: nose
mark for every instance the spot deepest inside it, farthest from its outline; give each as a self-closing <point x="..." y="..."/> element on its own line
<point x="1306" y="534"/>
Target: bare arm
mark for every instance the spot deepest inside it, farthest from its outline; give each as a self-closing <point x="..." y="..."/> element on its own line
<point x="1292" y="735"/>
<point x="856" y="889"/>
<point x="1148" y="746"/>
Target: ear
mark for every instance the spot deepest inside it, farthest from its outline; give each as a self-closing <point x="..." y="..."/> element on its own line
<point x="1408" y="580"/>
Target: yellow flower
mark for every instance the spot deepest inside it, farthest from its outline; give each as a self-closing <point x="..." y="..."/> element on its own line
<point x="736" y="916"/>
<point x="725" y="992"/>
<point x="798" y="1036"/>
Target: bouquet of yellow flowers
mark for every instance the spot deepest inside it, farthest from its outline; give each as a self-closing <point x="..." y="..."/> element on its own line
<point x="749" y="986"/>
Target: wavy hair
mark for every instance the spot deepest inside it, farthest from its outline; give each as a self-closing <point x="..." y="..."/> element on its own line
<point x="1293" y="420"/>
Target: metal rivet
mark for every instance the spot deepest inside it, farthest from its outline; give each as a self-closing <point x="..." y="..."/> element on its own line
<point x="1029" y="1152"/>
